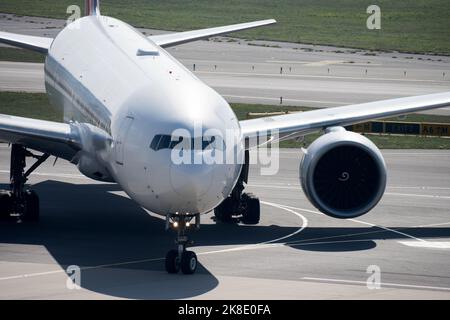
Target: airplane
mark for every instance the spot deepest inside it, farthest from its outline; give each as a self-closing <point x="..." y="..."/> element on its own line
<point x="124" y="95"/>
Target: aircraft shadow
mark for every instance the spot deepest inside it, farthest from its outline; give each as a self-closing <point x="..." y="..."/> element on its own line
<point x="89" y="225"/>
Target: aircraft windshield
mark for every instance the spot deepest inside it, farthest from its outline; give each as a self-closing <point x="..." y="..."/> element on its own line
<point x="162" y="141"/>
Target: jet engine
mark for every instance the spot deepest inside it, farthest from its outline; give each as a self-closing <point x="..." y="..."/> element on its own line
<point x="91" y="160"/>
<point x="343" y="174"/>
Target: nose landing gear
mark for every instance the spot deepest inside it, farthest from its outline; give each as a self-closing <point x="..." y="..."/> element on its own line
<point x="180" y="258"/>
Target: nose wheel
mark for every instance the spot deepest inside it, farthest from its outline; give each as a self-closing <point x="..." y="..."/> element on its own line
<point x="180" y="258"/>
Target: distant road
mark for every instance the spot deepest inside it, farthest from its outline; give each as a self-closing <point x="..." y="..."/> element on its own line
<point x="21" y="76"/>
<point x="264" y="87"/>
<point x="305" y="75"/>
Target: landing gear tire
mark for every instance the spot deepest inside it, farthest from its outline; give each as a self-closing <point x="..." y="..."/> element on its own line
<point x="29" y="206"/>
<point x="243" y="206"/>
<point x="188" y="262"/>
<point x="23" y="204"/>
<point x="224" y="212"/>
<point x="247" y="208"/>
<point x="172" y="262"/>
<point x="5" y="204"/>
<point x="31" y="213"/>
<point x="252" y="211"/>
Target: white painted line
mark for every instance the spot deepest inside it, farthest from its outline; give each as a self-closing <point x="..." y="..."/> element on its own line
<point x="418" y="243"/>
<point x="31" y="275"/>
<point x="384" y="284"/>
<point x="261" y="245"/>
<point x="345" y="63"/>
<point x="304" y="210"/>
<point x="58" y="175"/>
<point x="324" y="63"/>
<point x="308" y="241"/>
<point x="417" y="195"/>
<point x="274" y="187"/>
<point x="296" y="186"/>
<point x="419" y="187"/>
<point x="23" y="64"/>
<point x="285" y="75"/>
<point x="363" y="222"/>
<point x="302" y="217"/>
<point x="445" y="153"/>
<point x="387" y="229"/>
<point x="299" y="244"/>
<point x="386" y="153"/>
<point x="287" y="62"/>
<point x="432" y="225"/>
<point x="37" y="274"/>
<point x="270" y="243"/>
<point x="426" y="244"/>
<point x="285" y="99"/>
<point x="387" y="193"/>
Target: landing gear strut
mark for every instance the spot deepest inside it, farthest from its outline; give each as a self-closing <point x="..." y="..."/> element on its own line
<point x="19" y="202"/>
<point x="180" y="258"/>
<point x="244" y="206"/>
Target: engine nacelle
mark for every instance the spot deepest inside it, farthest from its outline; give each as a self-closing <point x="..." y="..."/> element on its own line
<point x="95" y="149"/>
<point x="343" y="174"/>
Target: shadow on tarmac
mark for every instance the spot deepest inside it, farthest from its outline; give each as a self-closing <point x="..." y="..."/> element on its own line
<point x="89" y="225"/>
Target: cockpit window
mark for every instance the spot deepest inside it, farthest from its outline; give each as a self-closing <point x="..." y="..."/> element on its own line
<point x="163" y="141"/>
<point x="175" y="142"/>
<point x="206" y="142"/>
<point x="155" y="142"/>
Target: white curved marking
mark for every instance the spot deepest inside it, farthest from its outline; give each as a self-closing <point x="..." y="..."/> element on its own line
<point x="253" y="246"/>
<point x="304" y="221"/>
<point x="365" y="223"/>
<point x="308" y="241"/>
<point x="304" y="210"/>
<point x="297" y="187"/>
<point x="388" y="229"/>
<point x="269" y="243"/>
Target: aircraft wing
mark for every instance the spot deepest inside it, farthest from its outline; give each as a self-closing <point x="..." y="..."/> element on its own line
<point x="39" y="44"/>
<point x="298" y="124"/>
<point x="173" y="39"/>
<point x="58" y="139"/>
<point x="42" y="44"/>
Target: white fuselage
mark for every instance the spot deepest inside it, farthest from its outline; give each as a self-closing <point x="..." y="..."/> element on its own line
<point x="105" y="73"/>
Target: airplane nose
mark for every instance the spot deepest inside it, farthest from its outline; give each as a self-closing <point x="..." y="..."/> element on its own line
<point x="191" y="181"/>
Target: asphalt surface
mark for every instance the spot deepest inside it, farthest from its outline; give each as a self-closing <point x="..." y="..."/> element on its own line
<point x="262" y="72"/>
<point x="294" y="253"/>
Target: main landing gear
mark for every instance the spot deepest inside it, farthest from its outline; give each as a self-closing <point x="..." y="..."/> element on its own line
<point x="240" y="206"/>
<point x="20" y="203"/>
<point x="180" y="258"/>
